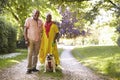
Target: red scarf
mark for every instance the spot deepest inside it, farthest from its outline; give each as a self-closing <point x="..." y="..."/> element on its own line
<point x="47" y="27"/>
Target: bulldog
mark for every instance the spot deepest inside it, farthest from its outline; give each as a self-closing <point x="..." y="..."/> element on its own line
<point x="49" y="63"/>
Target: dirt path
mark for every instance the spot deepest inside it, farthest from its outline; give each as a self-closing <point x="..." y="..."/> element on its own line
<point x="72" y="70"/>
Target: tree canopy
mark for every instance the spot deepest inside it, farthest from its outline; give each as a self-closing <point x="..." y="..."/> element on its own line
<point x="76" y="14"/>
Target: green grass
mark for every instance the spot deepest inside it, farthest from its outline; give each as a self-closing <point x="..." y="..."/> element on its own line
<point x="8" y="62"/>
<point x="5" y="63"/>
<point x="49" y="75"/>
<point x="102" y="59"/>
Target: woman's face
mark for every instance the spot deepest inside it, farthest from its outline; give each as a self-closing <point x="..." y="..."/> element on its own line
<point x="49" y="17"/>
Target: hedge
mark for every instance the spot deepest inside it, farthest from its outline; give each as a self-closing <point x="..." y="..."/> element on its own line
<point x="7" y="37"/>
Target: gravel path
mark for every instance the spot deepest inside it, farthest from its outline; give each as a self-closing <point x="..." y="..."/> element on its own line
<point x="17" y="72"/>
<point x="71" y="68"/>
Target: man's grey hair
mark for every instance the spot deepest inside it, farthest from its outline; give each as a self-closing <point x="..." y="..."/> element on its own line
<point x="34" y="11"/>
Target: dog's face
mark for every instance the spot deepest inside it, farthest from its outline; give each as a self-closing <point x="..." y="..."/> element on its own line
<point x="49" y="57"/>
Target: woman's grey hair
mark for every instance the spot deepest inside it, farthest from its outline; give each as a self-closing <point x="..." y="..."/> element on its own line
<point x="48" y="14"/>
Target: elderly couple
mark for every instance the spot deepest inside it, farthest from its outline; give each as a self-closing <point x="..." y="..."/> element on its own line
<point x="40" y="39"/>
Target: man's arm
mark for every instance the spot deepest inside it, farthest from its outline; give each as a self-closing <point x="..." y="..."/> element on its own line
<point x="25" y="35"/>
<point x="41" y="31"/>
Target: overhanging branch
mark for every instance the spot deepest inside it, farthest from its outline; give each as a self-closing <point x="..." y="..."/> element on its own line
<point x="114" y="5"/>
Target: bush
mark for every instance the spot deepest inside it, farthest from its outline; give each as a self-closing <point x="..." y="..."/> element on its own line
<point x="118" y="41"/>
<point x="3" y="37"/>
<point x="7" y="37"/>
<point x="11" y="39"/>
<point x="21" y="43"/>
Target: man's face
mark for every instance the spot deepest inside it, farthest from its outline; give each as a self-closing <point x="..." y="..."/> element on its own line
<point x="49" y="17"/>
<point x="36" y="15"/>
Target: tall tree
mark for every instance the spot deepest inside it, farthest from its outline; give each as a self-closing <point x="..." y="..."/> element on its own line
<point x="21" y="9"/>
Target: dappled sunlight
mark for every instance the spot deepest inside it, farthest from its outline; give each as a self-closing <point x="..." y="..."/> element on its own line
<point x="14" y="61"/>
<point x="104" y="65"/>
<point x="90" y="61"/>
<point x="105" y="35"/>
<point x="109" y="58"/>
<point x="60" y="67"/>
<point x="94" y="57"/>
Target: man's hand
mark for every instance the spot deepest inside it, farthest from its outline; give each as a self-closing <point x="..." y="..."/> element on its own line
<point x="27" y="42"/>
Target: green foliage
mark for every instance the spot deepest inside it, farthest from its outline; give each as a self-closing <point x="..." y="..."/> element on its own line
<point x="85" y="10"/>
<point x="118" y="41"/>
<point x="2" y="4"/>
<point x="19" y="10"/>
<point x="11" y="39"/>
<point x="3" y="36"/>
<point x="7" y="37"/>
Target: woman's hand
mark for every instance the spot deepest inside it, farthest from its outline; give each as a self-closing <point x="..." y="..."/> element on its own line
<point x="53" y="44"/>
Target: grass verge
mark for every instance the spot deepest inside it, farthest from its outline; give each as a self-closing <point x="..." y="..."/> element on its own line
<point x="4" y="63"/>
<point x="102" y="59"/>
